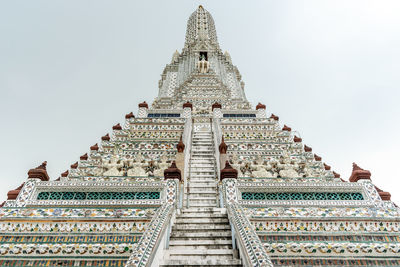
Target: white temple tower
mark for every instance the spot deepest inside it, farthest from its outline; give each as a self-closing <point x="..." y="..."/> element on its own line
<point x="199" y="178"/>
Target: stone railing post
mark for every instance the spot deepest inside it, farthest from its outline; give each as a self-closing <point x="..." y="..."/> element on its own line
<point x="142" y="112"/>
<point x="216" y="109"/>
<point x="180" y="156"/>
<point x="174" y="173"/>
<point x="187" y="110"/>
<point x="261" y="111"/>
<point x="223" y="158"/>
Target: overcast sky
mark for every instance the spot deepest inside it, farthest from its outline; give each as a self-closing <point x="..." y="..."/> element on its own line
<point x="70" y="70"/>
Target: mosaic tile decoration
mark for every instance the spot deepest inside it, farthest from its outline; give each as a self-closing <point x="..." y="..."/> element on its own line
<point x="331" y="238"/>
<point x="74" y="213"/>
<point x="327" y="226"/>
<point x="96" y="195"/>
<point x="342" y="248"/>
<point x="335" y="262"/>
<point x="110" y="238"/>
<point x="27" y="227"/>
<point x="322" y="212"/>
<point x="63" y="262"/>
<point x="295" y="194"/>
<point x="62" y="249"/>
<point x="302" y="196"/>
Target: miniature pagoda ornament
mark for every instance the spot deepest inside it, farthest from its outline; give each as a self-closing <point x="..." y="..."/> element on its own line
<point x="199" y="177"/>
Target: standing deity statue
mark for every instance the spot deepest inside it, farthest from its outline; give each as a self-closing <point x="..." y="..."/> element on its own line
<point x="162" y="166"/>
<point x="203" y="65"/>
<point x="236" y="165"/>
<point x="113" y="166"/>
<point x="260" y="170"/>
<point x="287" y="167"/>
<point x="136" y="167"/>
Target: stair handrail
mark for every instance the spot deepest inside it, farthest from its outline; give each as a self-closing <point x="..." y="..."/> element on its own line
<point x="216" y="151"/>
<point x="148" y="252"/>
<point x="190" y="165"/>
<point x="187" y="139"/>
<point x="251" y="249"/>
<point x="217" y="137"/>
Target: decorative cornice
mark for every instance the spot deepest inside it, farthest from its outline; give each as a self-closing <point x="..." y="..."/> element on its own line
<point x="106" y="137"/>
<point x="187" y="105"/>
<point x="143" y="105"/>
<point x="129" y="115"/>
<point x="307" y="148"/>
<point x="260" y="106"/>
<point x="228" y="172"/>
<point x="274" y="117"/>
<point x="39" y="172"/>
<point x="297" y="139"/>
<point x="95" y="147"/>
<point x="117" y="127"/>
<point x="359" y="173"/>
<point x="216" y="105"/>
<point x="173" y="172"/>
<point x="13" y="194"/>
<point x="327" y="167"/>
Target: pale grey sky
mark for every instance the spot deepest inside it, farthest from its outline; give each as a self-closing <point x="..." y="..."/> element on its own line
<point x="69" y="70"/>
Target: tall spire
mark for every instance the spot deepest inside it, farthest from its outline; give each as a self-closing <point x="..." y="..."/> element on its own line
<point x="201" y="74"/>
<point x="201" y="27"/>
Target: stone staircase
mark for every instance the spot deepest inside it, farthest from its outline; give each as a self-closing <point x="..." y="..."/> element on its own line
<point x="201" y="234"/>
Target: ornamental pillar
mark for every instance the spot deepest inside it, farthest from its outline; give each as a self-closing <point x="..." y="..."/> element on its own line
<point x="222" y="152"/>
<point x="180" y="156"/>
<point x="187" y="110"/>
<point x="173" y="172"/>
<point x="216" y="109"/>
<point x="228" y="172"/>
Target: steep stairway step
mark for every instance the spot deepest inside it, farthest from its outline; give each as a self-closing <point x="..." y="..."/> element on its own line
<point x="202" y="220"/>
<point x="210" y="181"/>
<point x="195" y="190"/>
<point x="199" y="176"/>
<point x="225" y="234"/>
<point x="205" y="242"/>
<point x="206" y="252"/>
<point x="201" y="205"/>
<point x="199" y="169"/>
<point x="203" y="183"/>
<point x="202" y="202"/>
<point x="192" y="197"/>
<point x="198" y="195"/>
<point x="200" y="214"/>
<point x="202" y="263"/>
<point x="199" y="228"/>
<point x="205" y="210"/>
